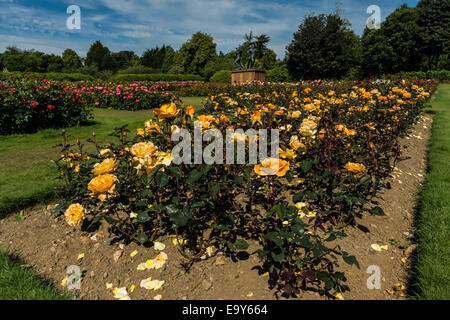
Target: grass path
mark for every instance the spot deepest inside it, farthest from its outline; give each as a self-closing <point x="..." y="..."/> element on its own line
<point x="19" y="283"/>
<point x="27" y="174"/>
<point x="432" y="270"/>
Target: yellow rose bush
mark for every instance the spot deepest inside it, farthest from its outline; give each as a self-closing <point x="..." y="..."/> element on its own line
<point x="337" y="141"/>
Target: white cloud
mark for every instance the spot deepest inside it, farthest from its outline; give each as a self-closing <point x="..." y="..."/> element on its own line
<point x="141" y="24"/>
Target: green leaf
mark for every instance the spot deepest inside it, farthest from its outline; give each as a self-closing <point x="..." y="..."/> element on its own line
<point x="306" y="166"/>
<point x="278" y="255"/>
<point x="298" y="197"/>
<point x="175" y="172"/>
<point x="194" y="175"/>
<point x="142" y="238"/>
<point x="162" y="179"/>
<point x="377" y="211"/>
<point x="240" y="244"/>
<point x="142" y="217"/>
<point x="179" y="218"/>
<point x="351" y="260"/>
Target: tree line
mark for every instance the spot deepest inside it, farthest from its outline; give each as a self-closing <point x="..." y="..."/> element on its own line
<point x="410" y="39"/>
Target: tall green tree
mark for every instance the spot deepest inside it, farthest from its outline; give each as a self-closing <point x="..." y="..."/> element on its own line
<point x="71" y="61"/>
<point x="393" y="47"/>
<point x="154" y="58"/>
<point x="123" y="59"/>
<point x="323" y="47"/>
<point x="197" y="52"/>
<point x="100" y="57"/>
<point x="261" y="45"/>
<point x="434" y="30"/>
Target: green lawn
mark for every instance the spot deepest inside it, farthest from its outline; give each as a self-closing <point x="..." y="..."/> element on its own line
<point x="27" y="175"/>
<point x="432" y="267"/>
<point x="18" y="283"/>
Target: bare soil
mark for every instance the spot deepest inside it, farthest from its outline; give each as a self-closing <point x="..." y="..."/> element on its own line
<point x="49" y="246"/>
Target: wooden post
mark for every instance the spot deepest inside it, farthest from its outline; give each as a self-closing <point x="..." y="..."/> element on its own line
<point x="241" y="76"/>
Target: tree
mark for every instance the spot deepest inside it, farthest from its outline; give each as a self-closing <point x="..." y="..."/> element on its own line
<point x="197" y="52"/>
<point x="158" y="58"/>
<point x="323" y="47"/>
<point x="71" y="61"/>
<point x="261" y="45"/>
<point x="99" y="56"/>
<point x="434" y="31"/>
<point x="123" y="59"/>
<point x="392" y="48"/>
<point x="267" y="61"/>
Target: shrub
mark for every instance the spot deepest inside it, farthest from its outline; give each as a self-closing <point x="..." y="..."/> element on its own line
<point x="49" y="76"/>
<point x="441" y="75"/>
<point x="29" y="105"/>
<point x="278" y="74"/>
<point x="222" y="76"/>
<point x="156" y="77"/>
<point x="130" y="97"/>
<point x="140" y="70"/>
<point x="337" y="142"/>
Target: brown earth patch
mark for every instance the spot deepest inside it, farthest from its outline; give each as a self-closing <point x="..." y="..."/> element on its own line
<point x="50" y="246"/>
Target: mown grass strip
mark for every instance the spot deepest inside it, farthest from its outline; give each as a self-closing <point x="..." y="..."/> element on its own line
<point x="19" y="283"/>
<point x="432" y="265"/>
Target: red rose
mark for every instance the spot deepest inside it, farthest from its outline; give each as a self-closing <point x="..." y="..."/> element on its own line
<point x="34" y="104"/>
<point x="50" y="107"/>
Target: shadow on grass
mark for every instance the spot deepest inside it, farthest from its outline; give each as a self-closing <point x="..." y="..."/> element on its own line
<point x="33" y="286"/>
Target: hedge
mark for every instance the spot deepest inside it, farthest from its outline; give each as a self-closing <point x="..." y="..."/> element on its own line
<point x="48" y="76"/>
<point x="441" y="75"/>
<point x="156" y="77"/>
<point x="222" y="76"/>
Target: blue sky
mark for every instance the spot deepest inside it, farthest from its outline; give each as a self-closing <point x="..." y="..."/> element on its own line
<point x="140" y="24"/>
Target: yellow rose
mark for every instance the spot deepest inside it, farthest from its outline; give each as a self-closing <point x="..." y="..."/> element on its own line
<point x="140" y="132"/>
<point x="165" y="158"/>
<point x="351" y="132"/>
<point x="296" y="114"/>
<point x="106" y="166"/>
<point x="190" y="110"/>
<point x="272" y="166"/>
<point x="287" y="154"/>
<point x="256" y="116"/>
<point x="295" y="144"/>
<point x="355" y="167"/>
<point x="103" y="184"/>
<point x="75" y="214"/>
<point x="143" y="149"/>
<point x="204" y="118"/>
<point x="167" y="110"/>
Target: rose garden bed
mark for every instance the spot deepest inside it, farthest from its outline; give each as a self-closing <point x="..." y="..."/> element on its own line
<point x="291" y="226"/>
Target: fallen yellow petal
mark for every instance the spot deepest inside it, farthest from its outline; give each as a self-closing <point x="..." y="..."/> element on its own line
<point x="339" y="296"/>
<point x="385" y="247"/>
<point x="64" y="281"/>
<point x="159" y="246"/>
<point x="80" y="256"/>
<point x="376" y="247"/>
<point x="158" y="297"/>
<point x="132" y="288"/>
<point x="250" y="294"/>
<point x="108" y="285"/>
<point x="121" y="293"/>
<point x="150" y="284"/>
<point x="135" y="252"/>
<point x="142" y="266"/>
